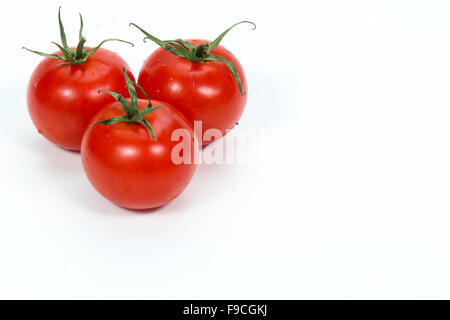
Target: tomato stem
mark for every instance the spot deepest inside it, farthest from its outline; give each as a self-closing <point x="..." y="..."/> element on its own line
<point x="131" y="109"/>
<point x="70" y="56"/>
<point x="202" y="52"/>
<point x="80" y="49"/>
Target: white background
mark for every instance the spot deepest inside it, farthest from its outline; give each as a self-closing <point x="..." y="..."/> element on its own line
<point x="350" y="198"/>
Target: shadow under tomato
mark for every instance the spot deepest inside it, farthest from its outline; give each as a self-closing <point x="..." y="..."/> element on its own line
<point x="68" y="150"/>
<point x="144" y="211"/>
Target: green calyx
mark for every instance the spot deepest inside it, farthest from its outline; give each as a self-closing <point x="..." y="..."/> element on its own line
<point x="200" y="53"/>
<point x="70" y="56"/>
<point x="132" y="112"/>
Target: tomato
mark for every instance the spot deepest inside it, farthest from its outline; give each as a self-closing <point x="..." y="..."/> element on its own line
<point x="202" y="79"/>
<point x="201" y="91"/>
<point x="126" y="165"/>
<point x="62" y="92"/>
<point x="62" y="99"/>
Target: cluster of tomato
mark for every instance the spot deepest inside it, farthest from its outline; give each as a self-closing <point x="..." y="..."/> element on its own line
<point x="86" y="99"/>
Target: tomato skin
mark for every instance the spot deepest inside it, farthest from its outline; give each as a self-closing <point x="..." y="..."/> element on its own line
<point x="205" y="91"/>
<point x="127" y="166"/>
<point x="62" y="99"/>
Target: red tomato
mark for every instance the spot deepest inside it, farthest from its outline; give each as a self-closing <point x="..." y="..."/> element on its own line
<point x="62" y="99"/>
<point x="127" y="166"/>
<point x="202" y="79"/>
<point x="205" y="91"/>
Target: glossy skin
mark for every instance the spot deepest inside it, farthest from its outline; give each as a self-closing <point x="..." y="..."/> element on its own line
<point x="62" y="99"/>
<point x="127" y="166"/>
<point x="205" y="91"/>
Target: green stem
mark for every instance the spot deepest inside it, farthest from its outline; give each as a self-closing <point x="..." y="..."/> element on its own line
<point x="131" y="109"/>
<point x="202" y="50"/>
<point x="70" y="56"/>
<point x="80" y="49"/>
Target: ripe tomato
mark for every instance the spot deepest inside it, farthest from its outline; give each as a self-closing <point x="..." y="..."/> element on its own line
<point x="62" y="99"/>
<point x="202" y="79"/>
<point x="126" y="165"/>
<point x="62" y="92"/>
